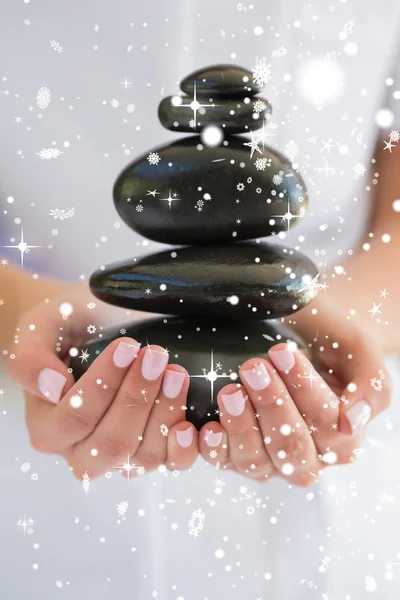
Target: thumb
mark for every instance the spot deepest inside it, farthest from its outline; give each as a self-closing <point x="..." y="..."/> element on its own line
<point x="34" y="363"/>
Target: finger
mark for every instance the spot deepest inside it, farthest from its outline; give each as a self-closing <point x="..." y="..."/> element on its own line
<point x="213" y="444"/>
<point x="182" y="446"/>
<point x="246" y="448"/>
<point x="81" y="409"/>
<point x="34" y="365"/>
<point x="369" y="386"/>
<point x="118" y="434"/>
<point x="286" y="435"/>
<point x="169" y="408"/>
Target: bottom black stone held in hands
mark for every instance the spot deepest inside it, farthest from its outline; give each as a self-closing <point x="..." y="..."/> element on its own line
<point x="210" y="350"/>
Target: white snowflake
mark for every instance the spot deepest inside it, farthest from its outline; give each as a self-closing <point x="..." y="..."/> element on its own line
<point x="277" y="179"/>
<point x="122" y="331"/>
<point x="278" y="52"/>
<point x="139" y="207"/>
<point x="108" y="474"/>
<point x="122" y="507"/>
<point x="62" y="214"/>
<point x="359" y="170"/>
<point x="140" y="470"/>
<point x="154" y="158"/>
<point x="259" y="106"/>
<point x="240" y="187"/>
<point x="291" y="150"/>
<point x="258" y="190"/>
<point x="55" y="232"/>
<point x="130" y="108"/>
<point x="213" y="454"/>
<point x="25" y="467"/>
<point x="43" y="97"/>
<point x="196" y="523"/>
<point x="117" y="225"/>
<point x="91" y="305"/>
<point x="250" y="510"/>
<point x="164" y="430"/>
<point x="199" y="205"/>
<point x="261" y="71"/>
<point x="56" y="46"/>
<point x="260" y="164"/>
<point x="48" y="153"/>
<point x="394" y="136"/>
<point x="34" y="476"/>
<point x="192" y="124"/>
<point x="86" y="483"/>
<point x="91" y="329"/>
<point x="376" y="384"/>
<point x="267" y="440"/>
<point x="309" y="496"/>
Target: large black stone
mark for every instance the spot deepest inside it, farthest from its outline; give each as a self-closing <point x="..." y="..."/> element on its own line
<point x="233" y="116"/>
<point x="242" y="281"/>
<point x="220" y="81"/>
<point x="211" y="351"/>
<point x="211" y="195"/>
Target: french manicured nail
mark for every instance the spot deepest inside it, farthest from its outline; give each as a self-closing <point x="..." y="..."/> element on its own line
<point x="153" y="363"/>
<point x="258" y="377"/>
<point x="282" y="359"/>
<point x="172" y="383"/>
<point x="233" y="403"/>
<point x="50" y="384"/>
<point x="358" y="415"/>
<point x="212" y="439"/>
<point x="185" y="437"/>
<point x="124" y="354"/>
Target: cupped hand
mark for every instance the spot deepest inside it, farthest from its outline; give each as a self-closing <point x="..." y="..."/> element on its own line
<point x="127" y="409"/>
<point x="287" y="419"/>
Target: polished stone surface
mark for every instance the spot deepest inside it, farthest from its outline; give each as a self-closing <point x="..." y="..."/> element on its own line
<point x="233" y="116"/>
<point x="217" y="81"/>
<point x="210" y="350"/>
<point x="194" y="194"/>
<point x="243" y="281"/>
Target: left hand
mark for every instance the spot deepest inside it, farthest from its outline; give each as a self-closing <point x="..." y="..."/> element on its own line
<point x="285" y="419"/>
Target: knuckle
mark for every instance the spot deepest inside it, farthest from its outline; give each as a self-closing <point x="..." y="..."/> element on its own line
<point x="73" y="422"/>
<point x="296" y="448"/>
<point x="150" y="456"/>
<point x="132" y="398"/>
<point x="112" y="448"/>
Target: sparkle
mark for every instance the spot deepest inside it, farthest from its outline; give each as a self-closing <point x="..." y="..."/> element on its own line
<point x="375" y="309"/>
<point x="22" y="246"/>
<point x="84" y="356"/>
<point x="212" y="375"/>
<point x="170" y="199"/>
<point x="126" y="83"/>
<point x="310" y="377"/>
<point x="195" y="105"/>
<point x="384" y="293"/>
<point x="152" y="193"/>
<point x="288" y="216"/>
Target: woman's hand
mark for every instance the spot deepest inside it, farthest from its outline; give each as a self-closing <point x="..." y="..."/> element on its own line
<point x="125" y="410"/>
<point x="285" y="419"/>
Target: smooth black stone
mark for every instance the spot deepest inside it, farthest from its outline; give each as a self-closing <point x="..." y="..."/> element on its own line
<point x="203" y="346"/>
<point x="181" y="117"/>
<point x="242" y="281"/>
<point x="220" y="81"/>
<point x="209" y="215"/>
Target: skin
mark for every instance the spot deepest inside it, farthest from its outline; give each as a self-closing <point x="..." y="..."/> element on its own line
<point x="251" y="443"/>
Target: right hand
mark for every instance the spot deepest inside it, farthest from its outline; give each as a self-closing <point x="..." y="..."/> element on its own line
<point x="126" y="408"/>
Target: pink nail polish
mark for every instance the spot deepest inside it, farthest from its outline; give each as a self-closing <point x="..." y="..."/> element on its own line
<point x="283" y="360"/>
<point x="258" y="377"/>
<point x="50" y="384"/>
<point x="185" y="437"/>
<point x="172" y="383"/>
<point x="212" y="439"/>
<point x="358" y="415"/>
<point x="124" y="354"/>
<point x="233" y="403"/>
<point x="153" y="364"/>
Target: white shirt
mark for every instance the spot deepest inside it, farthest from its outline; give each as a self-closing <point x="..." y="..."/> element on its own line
<point x="330" y="63"/>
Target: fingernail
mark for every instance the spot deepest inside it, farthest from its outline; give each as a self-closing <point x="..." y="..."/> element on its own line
<point x="185" y="437"/>
<point x="124" y="354"/>
<point x="212" y="439"/>
<point x="358" y="415"/>
<point x="50" y="384"/>
<point x="233" y="403"/>
<point x="258" y="377"/>
<point x="172" y="383"/>
<point x="282" y="359"/>
<point x="153" y="364"/>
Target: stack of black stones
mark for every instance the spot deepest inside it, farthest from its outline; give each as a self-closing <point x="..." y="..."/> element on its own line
<point x="208" y="193"/>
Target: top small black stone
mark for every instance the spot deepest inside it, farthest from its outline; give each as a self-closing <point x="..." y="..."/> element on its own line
<point x="221" y="81"/>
